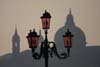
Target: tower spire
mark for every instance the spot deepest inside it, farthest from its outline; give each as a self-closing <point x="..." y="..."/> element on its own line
<point x="70" y="11"/>
<point x="15" y="43"/>
<point x="16" y="29"/>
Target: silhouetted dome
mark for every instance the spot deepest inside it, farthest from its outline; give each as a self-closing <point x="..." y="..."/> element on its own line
<point x="79" y="39"/>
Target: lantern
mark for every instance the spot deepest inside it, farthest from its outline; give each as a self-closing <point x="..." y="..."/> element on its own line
<point x="68" y="39"/>
<point x="46" y="20"/>
<point x="32" y="39"/>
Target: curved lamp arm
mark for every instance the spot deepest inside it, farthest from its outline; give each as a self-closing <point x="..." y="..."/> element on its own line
<point x="63" y="55"/>
<point x="36" y="55"/>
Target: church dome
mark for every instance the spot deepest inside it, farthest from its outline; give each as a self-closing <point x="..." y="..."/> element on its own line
<point x="79" y="39"/>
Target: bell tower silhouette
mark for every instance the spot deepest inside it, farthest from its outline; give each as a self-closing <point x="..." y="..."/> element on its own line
<point x="15" y="43"/>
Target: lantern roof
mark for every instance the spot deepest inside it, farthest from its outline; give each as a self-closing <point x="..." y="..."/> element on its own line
<point x="33" y="34"/>
<point x="68" y="33"/>
<point x="46" y="15"/>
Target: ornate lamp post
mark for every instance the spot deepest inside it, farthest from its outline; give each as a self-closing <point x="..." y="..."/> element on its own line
<point x="68" y="40"/>
<point x="45" y="50"/>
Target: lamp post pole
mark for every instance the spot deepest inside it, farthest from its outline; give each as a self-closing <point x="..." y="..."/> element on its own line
<point x="46" y="48"/>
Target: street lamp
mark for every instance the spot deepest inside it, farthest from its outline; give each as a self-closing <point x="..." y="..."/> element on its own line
<point x="33" y="39"/>
<point x="46" y="20"/>
<point x="45" y="50"/>
<point x="68" y="40"/>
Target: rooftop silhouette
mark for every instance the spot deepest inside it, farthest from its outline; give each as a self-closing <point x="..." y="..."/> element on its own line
<point x="85" y="57"/>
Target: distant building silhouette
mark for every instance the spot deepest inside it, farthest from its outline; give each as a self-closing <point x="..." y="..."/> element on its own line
<point x="79" y="39"/>
<point x="15" y="43"/>
<point x="41" y="37"/>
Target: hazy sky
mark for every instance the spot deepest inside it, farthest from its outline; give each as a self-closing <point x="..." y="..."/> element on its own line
<point x="25" y="14"/>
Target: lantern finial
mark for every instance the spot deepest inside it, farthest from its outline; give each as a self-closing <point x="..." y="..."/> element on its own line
<point x="30" y="30"/>
<point x="45" y="11"/>
<point x="33" y="30"/>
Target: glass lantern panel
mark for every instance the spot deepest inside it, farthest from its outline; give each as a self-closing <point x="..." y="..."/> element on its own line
<point x="43" y="19"/>
<point x="34" y="41"/>
<point x="43" y="23"/>
<point x="67" y="42"/>
<point x="48" y="20"/>
<point x="29" y="41"/>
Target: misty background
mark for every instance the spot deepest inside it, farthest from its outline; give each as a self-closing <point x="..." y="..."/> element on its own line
<point x="25" y="15"/>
